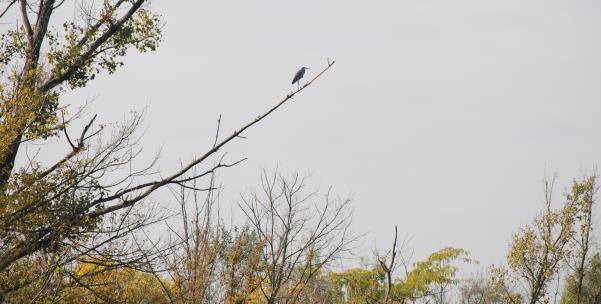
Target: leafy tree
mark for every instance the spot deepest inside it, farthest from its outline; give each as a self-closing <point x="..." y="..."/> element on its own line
<point x="540" y="249"/>
<point x="369" y="284"/>
<point x="242" y="266"/>
<point x="99" y="283"/>
<point x="358" y="285"/>
<point x="47" y="209"/>
<point x="589" y="289"/>
<point x="582" y="197"/>
<point x="430" y="278"/>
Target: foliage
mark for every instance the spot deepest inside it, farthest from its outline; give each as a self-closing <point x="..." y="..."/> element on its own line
<point x="539" y="250"/>
<point x="242" y="266"/>
<point x="591" y="288"/>
<point x="110" y="284"/>
<point x="142" y="32"/>
<point x="437" y="269"/>
<point x="479" y="290"/>
<point x="357" y="285"/>
<point x="368" y="284"/>
<point x="582" y="197"/>
<point x="53" y="213"/>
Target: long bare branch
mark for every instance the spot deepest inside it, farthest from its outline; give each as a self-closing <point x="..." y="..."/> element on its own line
<point x="235" y="134"/>
<point x="8" y="6"/>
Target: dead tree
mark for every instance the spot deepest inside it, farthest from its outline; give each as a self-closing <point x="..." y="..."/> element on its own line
<point x="389" y="267"/>
<point x="300" y="237"/>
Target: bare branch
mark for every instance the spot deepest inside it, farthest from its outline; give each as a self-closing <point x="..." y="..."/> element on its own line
<point x="7" y="8"/>
<point x="235" y="134"/>
<point x="26" y="23"/>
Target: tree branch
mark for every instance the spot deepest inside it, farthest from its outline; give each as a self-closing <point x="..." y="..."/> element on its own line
<point x="235" y="134"/>
<point x="7" y="8"/>
<point x="26" y="22"/>
<point x="80" y="61"/>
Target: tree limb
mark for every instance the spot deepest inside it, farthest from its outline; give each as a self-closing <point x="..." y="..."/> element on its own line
<point x="80" y="61"/>
<point x="235" y="134"/>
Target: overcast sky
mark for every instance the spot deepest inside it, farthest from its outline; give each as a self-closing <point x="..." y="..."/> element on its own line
<point x="441" y="117"/>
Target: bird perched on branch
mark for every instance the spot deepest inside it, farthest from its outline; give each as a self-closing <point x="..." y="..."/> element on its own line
<point x="299" y="75"/>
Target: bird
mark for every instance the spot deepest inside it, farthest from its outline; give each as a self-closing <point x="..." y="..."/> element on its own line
<point x="299" y="75"/>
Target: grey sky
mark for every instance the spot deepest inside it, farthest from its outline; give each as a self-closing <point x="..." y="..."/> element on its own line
<point x="439" y="116"/>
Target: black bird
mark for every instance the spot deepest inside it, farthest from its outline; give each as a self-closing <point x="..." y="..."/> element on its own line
<point x="299" y="75"/>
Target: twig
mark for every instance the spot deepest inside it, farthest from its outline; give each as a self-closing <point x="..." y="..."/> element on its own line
<point x="217" y="132"/>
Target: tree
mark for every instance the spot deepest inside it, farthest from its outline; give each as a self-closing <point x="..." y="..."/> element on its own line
<point x="420" y="281"/>
<point x="479" y="290"/>
<point x="85" y="205"/>
<point x="114" y="285"/>
<point x="300" y="239"/>
<point x="389" y="266"/>
<point x="241" y="274"/>
<point x="582" y="197"/>
<point x="430" y="278"/>
<point x="358" y="285"/>
<point x="537" y="252"/>
<point x="589" y="289"/>
<point x="192" y="258"/>
<point x="48" y="209"/>
<point x="205" y="262"/>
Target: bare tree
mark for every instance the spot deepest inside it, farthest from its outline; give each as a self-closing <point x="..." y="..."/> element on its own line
<point x="300" y="239"/>
<point x="389" y="267"/>
<point x="207" y="263"/>
<point x="192" y="261"/>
